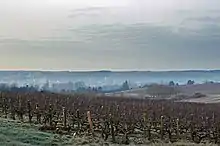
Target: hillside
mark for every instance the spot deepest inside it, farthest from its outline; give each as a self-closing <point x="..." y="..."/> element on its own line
<point x="14" y="133"/>
<point x="208" y="89"/>
<point x="211" y="90"/>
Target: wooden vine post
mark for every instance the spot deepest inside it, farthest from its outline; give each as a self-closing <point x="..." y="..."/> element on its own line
<point x="5" y="107"/>
<point x="78" y="120"/>
<point x="29" y="111"/>
<point x="64" y="117"/>
<point x="149" y="129"/>
<point x="192" y="130"/>
<point x="112" y="128"/>
<point x="38" y="114"/>
<point x="90" y="122"/>
<point x="161" y="127"/>
<point x="20" y="110"/>
<point x="125" y="139"/>
<point x="177" y="128"/>
<point x="50" y="115"/>
<point x="145" y="124"/>
<point x="12" y="108"/>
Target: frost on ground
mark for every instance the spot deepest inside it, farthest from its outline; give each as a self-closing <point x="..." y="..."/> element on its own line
<point x="15" y="133"/>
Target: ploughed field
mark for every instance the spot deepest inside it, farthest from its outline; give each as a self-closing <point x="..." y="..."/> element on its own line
<point x="114" y="120"/>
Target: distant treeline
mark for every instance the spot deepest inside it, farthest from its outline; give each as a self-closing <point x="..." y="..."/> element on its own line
<point x="29" y="88"/>
<point x="4" y="87"/>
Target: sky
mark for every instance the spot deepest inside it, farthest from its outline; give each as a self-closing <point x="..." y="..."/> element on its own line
<point x="109" y="34"/>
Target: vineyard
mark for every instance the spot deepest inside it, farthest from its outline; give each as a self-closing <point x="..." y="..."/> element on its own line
<point x="116" y="119"/>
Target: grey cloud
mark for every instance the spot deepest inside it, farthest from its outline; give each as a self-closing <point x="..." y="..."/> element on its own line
<point x="205" y="19"/>
<point x="183" y="35"/>
<point x="89" y="9"/>
<point x="92" y="11"/>
<point x="157" y="43"/>
<point x="126" y="46"/>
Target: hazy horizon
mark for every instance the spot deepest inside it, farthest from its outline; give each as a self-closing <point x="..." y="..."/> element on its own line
<point x="109" y="35"/>
<point x="108" y="70"/>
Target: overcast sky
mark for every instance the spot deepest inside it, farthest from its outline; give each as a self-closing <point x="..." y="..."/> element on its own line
<point x="109" y="34"/>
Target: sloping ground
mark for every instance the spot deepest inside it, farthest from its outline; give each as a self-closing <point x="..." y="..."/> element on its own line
<point x="212" y="90"/>
<point x="137" y="93"/>
<point x="207" y="99"/>
<point x="209" y="88"/>
<point x="14" y="133"/>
